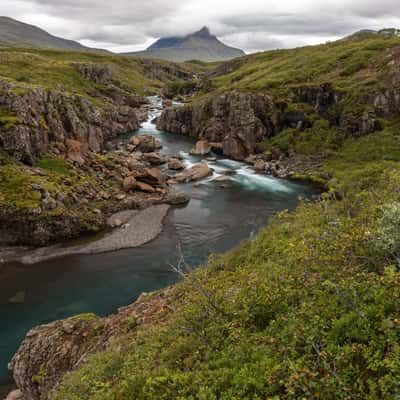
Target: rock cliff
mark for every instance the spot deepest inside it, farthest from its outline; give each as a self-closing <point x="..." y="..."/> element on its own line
<point x="39" y="120"/>
<point x="236" y="120"/>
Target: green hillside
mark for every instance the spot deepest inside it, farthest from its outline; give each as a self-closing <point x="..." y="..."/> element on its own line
<point x="53" y="69"/>
<point x="310" y="309"/>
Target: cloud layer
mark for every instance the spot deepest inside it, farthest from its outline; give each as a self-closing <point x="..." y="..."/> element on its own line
<point x="124" y="25"/>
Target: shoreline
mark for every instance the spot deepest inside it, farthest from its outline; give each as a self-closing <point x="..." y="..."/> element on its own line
<point x="141" y="228"/>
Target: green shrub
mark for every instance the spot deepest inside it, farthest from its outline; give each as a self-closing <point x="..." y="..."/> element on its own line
<point x="385" y="237"/>
<point x="54" y="165"/>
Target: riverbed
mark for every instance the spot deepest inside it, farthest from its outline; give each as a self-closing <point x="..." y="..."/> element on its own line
<point x="218" y="217"/>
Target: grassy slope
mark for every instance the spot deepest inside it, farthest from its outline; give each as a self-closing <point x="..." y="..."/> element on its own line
<point x="54" y="69"/>
<point x="348" y="64"/>
<point x="308" y="310"/>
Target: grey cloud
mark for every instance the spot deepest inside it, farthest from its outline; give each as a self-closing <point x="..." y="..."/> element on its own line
<point x="254" y="25"/>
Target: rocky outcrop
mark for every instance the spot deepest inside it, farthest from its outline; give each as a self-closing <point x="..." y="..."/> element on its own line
<point x="41" y="120"/>
<point x="61" y="207"/>
<point x="234" y="123"/>
<point x="50" y="351"/>
<point x="98" y="73"/>
<point x="236" y="120"/>
<point x="322" y="98"/>
<point x="195" y="173"/>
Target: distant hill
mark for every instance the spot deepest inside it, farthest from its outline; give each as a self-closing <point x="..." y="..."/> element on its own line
<point x="18" y="34"/>
<point x="201" y="45"/>
<point x="370" y="33"/>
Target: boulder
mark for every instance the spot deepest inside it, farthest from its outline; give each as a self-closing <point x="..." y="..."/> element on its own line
<point x="195" y="173"/>
<point x="175" y="164"/>
<point x="154" y="177"/>
<point x="134" y="141"/>
<point x="129" y="183"/>
<point x="74" y="151"/>
<point x="260" y="165"/>
<point x="154" y="158"/>
<point x="178" y="198"/>
<point x="148" y="144"/>
<point x="145" y="187"/>
<point x="202" y="148"/>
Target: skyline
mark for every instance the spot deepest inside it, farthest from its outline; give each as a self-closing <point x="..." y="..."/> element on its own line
<point x="254" y="26"/>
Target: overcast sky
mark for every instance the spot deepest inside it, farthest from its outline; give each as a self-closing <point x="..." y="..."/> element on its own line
<point x="124" y="25"/>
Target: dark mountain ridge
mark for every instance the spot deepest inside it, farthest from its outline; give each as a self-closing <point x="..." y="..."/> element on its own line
<point x="19" y="34"/>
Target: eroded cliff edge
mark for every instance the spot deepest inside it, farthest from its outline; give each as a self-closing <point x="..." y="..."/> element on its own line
<point x="62" y="172"/>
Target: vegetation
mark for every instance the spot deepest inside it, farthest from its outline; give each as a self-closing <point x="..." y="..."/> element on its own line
<point x="22" y="190"/>
<point x="51" y="69"/>
<point x="308" y="310"/>
<point x="348" y="64"/>
<point x="7" y="119"/>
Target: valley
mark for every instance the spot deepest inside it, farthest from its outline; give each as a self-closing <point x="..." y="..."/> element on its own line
<point x="275" y="273"/>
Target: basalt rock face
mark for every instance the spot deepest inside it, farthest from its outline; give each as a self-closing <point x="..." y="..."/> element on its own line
<point x="236" y="120"/>
<point x="50" y="351"/>
<point x="42" y="119"/>
<point x="322" y="98"/>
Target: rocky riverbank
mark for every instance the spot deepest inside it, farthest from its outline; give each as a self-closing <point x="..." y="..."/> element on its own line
<point x="49" y="351"/>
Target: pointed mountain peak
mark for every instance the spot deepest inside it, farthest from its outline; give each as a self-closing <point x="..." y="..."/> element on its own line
<point x="201" y="45"/>
<point x="203" y="32"/>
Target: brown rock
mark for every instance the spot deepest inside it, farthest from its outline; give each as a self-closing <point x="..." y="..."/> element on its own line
<point x="74" y="151"/>
<point x="135" y="141"/>
<point x="260" y="165"/>
<point x="148" y="144"/>
<point x="178" y="198"/>
<point x="175" y="164"/>
<point x="154" y="158"/>
<point x="129" y="183"/>
<point x="195" y="173"/>
<point x="145" y="187"/>
<point x="202" y="148"/>
<point x="153" y="176"/>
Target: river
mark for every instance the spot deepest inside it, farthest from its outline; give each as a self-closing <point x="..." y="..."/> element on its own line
<point x="216" y="219"/>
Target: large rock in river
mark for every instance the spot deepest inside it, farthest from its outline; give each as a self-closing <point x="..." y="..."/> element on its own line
<point x="195" y="173"/>
<point x="202" y="148"/>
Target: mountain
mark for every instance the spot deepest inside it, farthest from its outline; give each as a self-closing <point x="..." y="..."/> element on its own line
<point x="18" y="34"/>
<point x="201" y="45"/>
